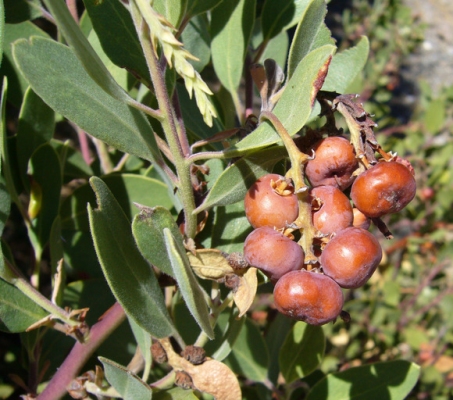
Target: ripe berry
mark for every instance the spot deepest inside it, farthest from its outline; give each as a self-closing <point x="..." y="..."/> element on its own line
<point x="308" y="296"/>
<point x="351" y="257"/>
<point x="271" y="201"/>
<point x="334" y="163"/>
<point x="272" y="252"/>
<point x="385" y="188"/>
<point x="332" y="210"/>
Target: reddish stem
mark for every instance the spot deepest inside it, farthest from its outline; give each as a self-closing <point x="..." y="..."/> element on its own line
<point x="81" y="352"/>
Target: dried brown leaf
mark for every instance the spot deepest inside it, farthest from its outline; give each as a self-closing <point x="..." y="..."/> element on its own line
<point x="210" y="264"/>
<point x="245" y="293"/>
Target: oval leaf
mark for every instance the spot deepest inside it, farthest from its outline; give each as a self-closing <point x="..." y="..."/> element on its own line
<point x="17" y="311"/>
<point x="55" y="74"/>
<point x="148" y="230"/>
<point x="230" y="39"/>
<point x="391" y="380"/>
<point x="129" y="276"/>
<point x="129" y="385"/>
<point x="250" y="356"/>
<point x="187" y="283"/>
<point x="305" y="38"/>
<point x="294" y="107"/>
<point x="232" y="185"/>
<point x="302" y="351"/>
<point x="345" y="66"/>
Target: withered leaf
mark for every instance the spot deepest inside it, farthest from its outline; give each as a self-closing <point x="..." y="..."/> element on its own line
<point x="210" y="264"/>
<point x="245" y="292"/>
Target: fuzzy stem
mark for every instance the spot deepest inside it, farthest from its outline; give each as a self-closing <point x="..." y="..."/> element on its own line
<point x="168" y="122"/>
<point x="81" y="352"/>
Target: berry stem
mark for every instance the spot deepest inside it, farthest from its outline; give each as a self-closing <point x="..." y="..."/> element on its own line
<point x="304" y="221"/>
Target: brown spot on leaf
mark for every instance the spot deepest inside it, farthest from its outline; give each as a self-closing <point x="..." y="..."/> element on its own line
<point x="319" y="81"/>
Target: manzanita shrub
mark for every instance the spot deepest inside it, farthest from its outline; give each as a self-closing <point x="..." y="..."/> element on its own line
<point x="136" y="286"/>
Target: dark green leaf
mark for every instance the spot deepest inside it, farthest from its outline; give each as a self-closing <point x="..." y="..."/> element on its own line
<point x="5" y="199"/>
<point x="144" y="342"/>
<point x="45" y="171"/>
<point x="127" y="190"/>
<point x="84" y="52"/>
<point x="195" y="7"/>
<point x="295" y="106"/>
<point x="16" y="81"/>
<point x="129" y="276"/>
<point x="17" y="11"/>
<point x="2" y="29"/>
<point x="233" y="183"/>
<point x="304" y="41"/>
<point x="36" y="127"/>
<point x="345" y="66"/>
<point x="275" y="338"/>
<point x="148" y="230"/>
<point x="250" y="356"/>
<point x="172" y="10"/>
<point x="58" y="78"/>
<point x="302" y="351"/>
<point x="391" y="380"/>
<point x="231" y="29"/>
<point x="197" y="41"/>
<point x="129" y="385"/>
<point x="17" y="311"/>
<point x="115" y="29"/>
<point x="187" y="282"/>
<point x="278" y="16"/>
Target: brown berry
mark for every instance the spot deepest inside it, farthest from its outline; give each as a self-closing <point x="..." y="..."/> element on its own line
<point x="351" y="257"/>
<point x="331" y="209"/>
<point x="308" y="296"/>
<point x="272" y="252"/>
<point x="385" y="188"/>
<point x="271" y="201"/>
<point x="334" y="163"/>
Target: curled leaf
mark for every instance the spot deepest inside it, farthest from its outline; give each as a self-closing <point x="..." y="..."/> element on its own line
<point x="210" y="264"/>
<point x="245" y="292"/>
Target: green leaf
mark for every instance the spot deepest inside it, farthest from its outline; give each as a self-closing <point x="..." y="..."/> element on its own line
<point x="230" y="39"/>
<point x="195" y="7"/>
<point x="56" y="254"/>
<point x="57" y="77"/>
<point x="233" y="183"/>
<point x="2" y="28"/>
<point x="144" y="342"/>
<point x="129" y="276"/>
<point x="345" y="66"/>
<point x="36" y="127"/>
<point x="5" y="199"/>
<point x="302" y="351"/>
<point x="250" y="356"/>
<point x="84" y="52"/>
<point x="115" y="29"/>
<point x="278" y="16"/>
<point x="172" y="10"/>
<point x="127" y="190"/>
<point x="148" y="230"/>
<point x="391" y="380"/>
<point x="277" y="49"/>
<point x="187" y="282"/>
<point x="227" y="230"/>
<point x="294" y="107"/>
<point x="197" y="41"/>
<point x="304" y="41"/>
<point x="17" y="311"/>
<point x="129" y="385"/>
<point x="17" y="83"/>
<point x="227" y="340"/>
<point x="45" y="170"/>
<point x="17" y="11"/>
<point x="175" y="393"/>
<point x="275" y="337"/>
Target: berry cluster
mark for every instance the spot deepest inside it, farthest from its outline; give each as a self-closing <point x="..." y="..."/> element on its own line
<point x="344" y="254"/>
